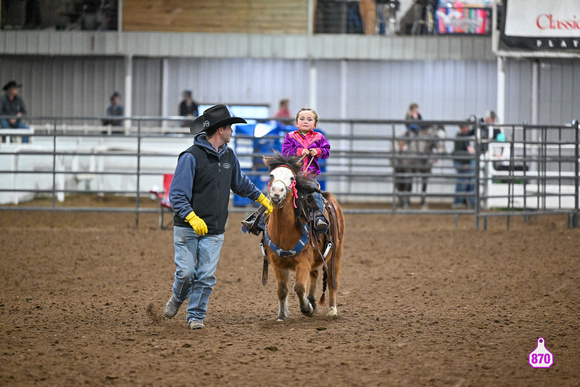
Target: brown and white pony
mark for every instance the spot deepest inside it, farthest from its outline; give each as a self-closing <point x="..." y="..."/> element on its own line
<point x="285" y="238"/>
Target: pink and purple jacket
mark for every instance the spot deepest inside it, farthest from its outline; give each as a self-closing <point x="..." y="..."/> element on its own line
<point x="294" y="142"/>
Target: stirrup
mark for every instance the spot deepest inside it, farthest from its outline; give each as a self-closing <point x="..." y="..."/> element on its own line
<point x="252" y="222"/>
<point x="320" y="222"/>
<point x="249" y="221"/>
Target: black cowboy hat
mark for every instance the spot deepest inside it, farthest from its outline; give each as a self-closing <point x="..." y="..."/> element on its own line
<point x="214" y="117"/>
<point x="11" y="84"/>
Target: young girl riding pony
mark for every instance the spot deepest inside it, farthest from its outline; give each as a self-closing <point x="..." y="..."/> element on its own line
<point x="311" y="145"/>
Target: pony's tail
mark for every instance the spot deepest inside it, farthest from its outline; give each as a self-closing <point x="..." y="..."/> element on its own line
<point x="324" y="280"/>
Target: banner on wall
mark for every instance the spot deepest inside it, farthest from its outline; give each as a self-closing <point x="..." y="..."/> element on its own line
<point x="542" y="25"/>
<point x="463" y="20"/>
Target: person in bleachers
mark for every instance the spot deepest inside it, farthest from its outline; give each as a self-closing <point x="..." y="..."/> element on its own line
<point x="12" y="105"/>
<point x="115" y="109"/>
<point x="188" y="108"/>
<point x="284" y="112"/>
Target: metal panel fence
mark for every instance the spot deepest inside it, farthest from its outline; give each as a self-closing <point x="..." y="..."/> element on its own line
<point x="534" y="172"/>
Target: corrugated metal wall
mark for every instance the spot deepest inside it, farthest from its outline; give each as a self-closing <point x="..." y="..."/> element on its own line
<point x="75" y="86"/>
<point x="443" y="89"/>
<point x="375" y="89"/>
<point x="239" y="81"/>
<point x="559" y="90"/>
<point x="147" y="87"/>
<point x="65" y="86"/>
<point x="518" y="91"/>
<point x="252" y="45"/>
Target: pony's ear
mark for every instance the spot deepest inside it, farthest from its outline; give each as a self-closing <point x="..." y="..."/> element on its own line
<point x="266" y="160"/>
<point x="273" y="161"/>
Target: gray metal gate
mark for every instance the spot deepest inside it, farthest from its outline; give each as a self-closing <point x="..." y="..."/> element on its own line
<point x="534" y="172"/>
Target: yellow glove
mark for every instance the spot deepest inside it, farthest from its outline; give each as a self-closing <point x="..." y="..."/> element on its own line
<point x="263" y="200"/>
<point x="197" y="223"/>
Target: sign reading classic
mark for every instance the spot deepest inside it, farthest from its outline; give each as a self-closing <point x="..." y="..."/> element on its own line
<point x="541" y="25"/>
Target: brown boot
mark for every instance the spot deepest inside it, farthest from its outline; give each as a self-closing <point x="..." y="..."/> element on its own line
<point x="320" y="221"/>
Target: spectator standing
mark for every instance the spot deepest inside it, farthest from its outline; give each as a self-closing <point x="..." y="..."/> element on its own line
<point x="115" y="109"/>
<point x="502" y="152"/>
<point x="284" y="112"/>
<point x="464" y="166"/>
<point x="490" y="119"/>
<point x="188" y="108"/>
<point x="487" y="127"/>
<point x="424" y="23"/>
<point x="369" y="15"/>
<point x="199" y="196"/>
<point x="413" y="115"/>
<point x="12" y="105"/>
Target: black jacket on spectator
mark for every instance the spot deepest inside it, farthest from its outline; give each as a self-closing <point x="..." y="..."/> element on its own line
<point x="461" y="146"/>
<point x="12" y="107"/>
<point x="185" y="110"/>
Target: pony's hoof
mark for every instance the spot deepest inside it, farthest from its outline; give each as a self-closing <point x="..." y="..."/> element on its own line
<point x="308" y="310"/>
<point x="332" y="313"/>
<point x="312" y="313"/>
<point x="280" y="319"/>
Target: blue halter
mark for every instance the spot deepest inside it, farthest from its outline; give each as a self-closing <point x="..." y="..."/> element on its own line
<point x="297" y="249"/>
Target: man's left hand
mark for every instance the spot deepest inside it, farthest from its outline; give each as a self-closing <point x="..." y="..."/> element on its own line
<point x="263" y="200"/>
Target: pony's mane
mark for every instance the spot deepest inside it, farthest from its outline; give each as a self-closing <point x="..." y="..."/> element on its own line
<point x="303" y="184"/>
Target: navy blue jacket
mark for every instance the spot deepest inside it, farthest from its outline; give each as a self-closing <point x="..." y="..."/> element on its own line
<point x="202" y="182"/>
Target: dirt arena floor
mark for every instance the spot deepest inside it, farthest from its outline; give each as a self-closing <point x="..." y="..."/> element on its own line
<point x="420" y="303"/>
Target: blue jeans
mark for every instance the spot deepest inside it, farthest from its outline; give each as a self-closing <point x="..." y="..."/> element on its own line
<point x="4" y="124"/>
<point x="196" y="259"/>
<point x="465" y="183"/>
<point x="319" y="201"/>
